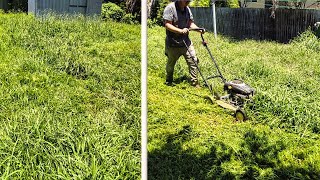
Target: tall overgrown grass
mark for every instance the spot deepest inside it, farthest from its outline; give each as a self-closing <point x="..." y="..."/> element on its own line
<point x="70" y="98"/>
<point x="192" y="139"/>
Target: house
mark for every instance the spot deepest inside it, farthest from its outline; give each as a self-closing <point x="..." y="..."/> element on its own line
<point x="86" y="7"/>
<point x="38" y="7"/>
<point x="288" y="4"/>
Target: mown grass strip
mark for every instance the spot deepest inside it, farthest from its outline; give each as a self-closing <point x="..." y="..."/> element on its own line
<point x="192" y="139"/>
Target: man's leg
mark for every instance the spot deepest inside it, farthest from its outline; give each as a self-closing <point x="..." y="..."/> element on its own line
<point x="192" y="59"/>
<point x="173" y="56"/>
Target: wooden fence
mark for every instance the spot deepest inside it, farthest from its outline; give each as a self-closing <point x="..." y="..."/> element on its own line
<point x="246" y="23"/>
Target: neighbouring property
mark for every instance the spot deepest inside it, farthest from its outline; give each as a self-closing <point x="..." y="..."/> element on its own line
<point x="39" y="7"/>
<point x="86" y="7"/>
<point x="258" y="23"/>
<point x="290" y="4"/>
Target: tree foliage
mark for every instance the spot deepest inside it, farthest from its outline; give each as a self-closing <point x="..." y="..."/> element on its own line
<point x="131" y="8"/>
<point x="18" y="5"/>
<point x="156" y="10"/>
<point x="218" y="3"/>
<point x="112" y="11"/>
<point x="200" y="3"/>
<point x="156" y="7"/>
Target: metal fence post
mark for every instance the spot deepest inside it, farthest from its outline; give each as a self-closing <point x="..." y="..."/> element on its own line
<point x="214" y="18"/>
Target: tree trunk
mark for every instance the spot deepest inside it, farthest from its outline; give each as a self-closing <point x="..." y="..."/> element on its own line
<point x="151" y="4"/>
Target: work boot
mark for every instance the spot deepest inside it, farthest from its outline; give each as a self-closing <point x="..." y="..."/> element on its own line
<point x="169" y="83"/>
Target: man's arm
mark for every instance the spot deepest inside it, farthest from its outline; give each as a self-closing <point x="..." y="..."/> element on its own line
<point x="172" y="28"/>
<point x="194" y="26"/>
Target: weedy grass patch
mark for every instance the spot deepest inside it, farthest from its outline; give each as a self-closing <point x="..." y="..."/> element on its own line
<point x="190" y="138"/>
<point x="70" y="98"/>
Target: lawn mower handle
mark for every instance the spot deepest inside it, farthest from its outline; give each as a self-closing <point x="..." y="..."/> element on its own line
<point x="197" y="29"/>
<point x="202" y="31"/>
<point x="204" y="43"/>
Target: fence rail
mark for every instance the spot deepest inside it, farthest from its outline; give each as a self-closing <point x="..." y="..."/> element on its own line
<point x="246" y="23"/>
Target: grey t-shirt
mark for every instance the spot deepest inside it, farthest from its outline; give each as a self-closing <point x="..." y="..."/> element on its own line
<point x="180" y="19"/>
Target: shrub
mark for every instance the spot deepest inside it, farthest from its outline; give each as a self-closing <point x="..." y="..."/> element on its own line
<point x="200" y="3"/>
<point x="152" y="23"/>
<point x="129" y="19"/>
<point x="307" y="40"/>
<point x="233" y="4"/>
<point x="157" y="11"/>
<point x="112" y="11"/>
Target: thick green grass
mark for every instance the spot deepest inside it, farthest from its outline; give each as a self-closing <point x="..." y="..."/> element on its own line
<point x="190" y="138"/>
<point x="70" y="98"/>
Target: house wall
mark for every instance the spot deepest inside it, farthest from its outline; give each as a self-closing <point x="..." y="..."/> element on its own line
<point x="87" y="7"/>
<point x="312" y="5"/>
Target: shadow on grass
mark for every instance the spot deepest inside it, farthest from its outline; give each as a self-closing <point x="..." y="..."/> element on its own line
<point x="258" y="159"/>
<point x="173" y="162"/>
<point x="182" y="79"/>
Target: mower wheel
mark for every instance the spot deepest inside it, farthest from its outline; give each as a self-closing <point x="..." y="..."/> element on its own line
<point x="240" y="115"/>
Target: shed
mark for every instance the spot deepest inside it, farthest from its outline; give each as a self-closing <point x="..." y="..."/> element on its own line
<point x="4" y="4"/>
<point x="86" y="7"/>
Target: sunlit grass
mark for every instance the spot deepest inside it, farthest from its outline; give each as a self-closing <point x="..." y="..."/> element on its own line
<point x="70" y="98"/>
<point x="190" y="138"/>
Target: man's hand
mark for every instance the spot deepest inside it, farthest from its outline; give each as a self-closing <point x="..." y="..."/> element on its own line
<point x="200" y="30"/>
<point x="185" y="31"/>
<point x="203" y="31"/>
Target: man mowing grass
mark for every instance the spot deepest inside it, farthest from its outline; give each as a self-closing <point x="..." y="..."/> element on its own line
<point x="177" y="21"/>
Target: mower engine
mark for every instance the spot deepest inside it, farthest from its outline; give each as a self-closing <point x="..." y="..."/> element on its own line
<point x="238" y="92"/>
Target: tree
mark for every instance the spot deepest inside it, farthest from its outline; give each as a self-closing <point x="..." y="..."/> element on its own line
<point x="151" y="5"/>
<point x="129" y="6"/>
<point x="218" y="3"/>
<point x="292" y="4"/>
<point x="18" y="5"/>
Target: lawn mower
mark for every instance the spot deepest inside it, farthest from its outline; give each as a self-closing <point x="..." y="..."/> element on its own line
<point x="237" y="92"/>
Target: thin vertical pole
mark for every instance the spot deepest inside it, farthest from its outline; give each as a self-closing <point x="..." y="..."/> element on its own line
<point x="144" y="72"/>
<point x="214" y="18"/>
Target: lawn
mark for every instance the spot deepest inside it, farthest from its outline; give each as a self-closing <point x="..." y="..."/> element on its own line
<point x="190" y="138"/>
<point x="70" y="98"/>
